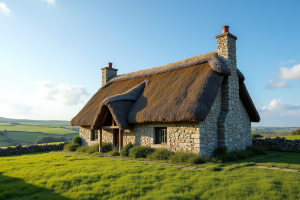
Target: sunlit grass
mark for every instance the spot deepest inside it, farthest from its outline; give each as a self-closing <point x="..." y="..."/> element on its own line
<point x="52" y="175"/>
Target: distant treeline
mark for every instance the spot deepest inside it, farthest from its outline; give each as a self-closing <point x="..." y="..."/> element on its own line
<point x="48" y="139"/>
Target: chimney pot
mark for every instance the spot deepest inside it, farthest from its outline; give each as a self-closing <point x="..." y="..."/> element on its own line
<point x="225" y="29"/>
<point x="110" y="65"/>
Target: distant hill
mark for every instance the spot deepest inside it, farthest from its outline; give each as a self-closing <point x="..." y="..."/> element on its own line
<point x="7" y="120"/>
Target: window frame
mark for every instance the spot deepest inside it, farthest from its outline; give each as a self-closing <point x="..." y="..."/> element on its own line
<point x="94" y="135"/>
<point x="164" y="135"/>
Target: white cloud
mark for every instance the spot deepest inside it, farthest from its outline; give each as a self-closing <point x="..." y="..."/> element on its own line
<point x="50" y="2"/>
<point x="273" y="85"/>
<point x="63" y="94"/>
<point x="14" y="108"/>
<point x="276" y="105"/>
<point x="4" y="9"/>
<point x="293" y="73"/>
<point x="286" y="62"/>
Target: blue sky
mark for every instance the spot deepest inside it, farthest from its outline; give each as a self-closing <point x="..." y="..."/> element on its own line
<point x="52" y="51"/>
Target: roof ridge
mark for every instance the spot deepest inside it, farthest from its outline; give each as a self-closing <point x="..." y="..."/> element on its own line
<point x="211" y="58"/>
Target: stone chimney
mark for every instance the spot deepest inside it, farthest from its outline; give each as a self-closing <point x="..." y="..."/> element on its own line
<point x="228" y="122"/>
<point x="108" y="73"/>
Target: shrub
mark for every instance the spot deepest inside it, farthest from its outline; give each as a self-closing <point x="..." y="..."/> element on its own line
<point x="212" y="169"/>
<point x="71" y="147"/>
<point x="187" y="157"/>
<point x="93" y="149"/>
<point x="77" y="140"/>
<point x="161" y="154"/>
<point x="140" y="151"/>
<point x="125" y="150"/>
<point x="48" y="139"/>
<point x="82" y="149"/>
<point x="296" y="132"/>
<point x="221" y="150"/>
<point x="256" y="135"/>
<point x="114" y="152"/>
<point x="258" y="150"/>
<point x="106" y="147"/>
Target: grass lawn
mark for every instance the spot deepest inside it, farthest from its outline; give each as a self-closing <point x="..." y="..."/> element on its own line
<point x="292" y="137"/>
<point x="52" y="175"/>
<point x="32" y="128"/>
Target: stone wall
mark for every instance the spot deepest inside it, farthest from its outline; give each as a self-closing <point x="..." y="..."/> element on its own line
<point x="184" y="136"/>
<point x="85" y="134"/>
<point x="107" y="135"/>
<point x="279" y="143"/>
<point x="209" y="129"/>
<point x="141" y="134"/>
<point x="245" y="128"/>
<point x="19" y="149"/>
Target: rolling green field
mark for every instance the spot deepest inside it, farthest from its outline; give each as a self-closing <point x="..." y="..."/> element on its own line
<point x="28" y="137"/>
<point x="28" y="131"/>
<point x="35" y="128"/>
<point x="52" y="175"/>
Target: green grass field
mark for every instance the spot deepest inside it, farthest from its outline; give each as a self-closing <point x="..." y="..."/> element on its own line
<point x="51" y="175"/>
<point x="28" y="131"/>
<point x="34" y="128"/>
<point x="292" y="137"/>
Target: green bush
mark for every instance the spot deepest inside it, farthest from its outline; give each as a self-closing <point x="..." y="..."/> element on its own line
<point x="114" y="152"/>
<point x="140" y="151"/>
<point x="93" y="149"/>
<point x="82" y="149"/>
<point x="106" y="147"/>
<point x="70" y="147"/>
<point x="161" y="154"/>
<point x="256" y="135"/>
<point x="258" y="150"/>
<point x="48" y="139"/>
<point x="125" y="150"/>
<point x="187" y="157"/>
<point x="296" y="132"/>
<point x="77" y="140"/>
<point x="220" y="150"/>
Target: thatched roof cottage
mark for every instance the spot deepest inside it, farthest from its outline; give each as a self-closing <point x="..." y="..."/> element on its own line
<point x="195" y="104"/>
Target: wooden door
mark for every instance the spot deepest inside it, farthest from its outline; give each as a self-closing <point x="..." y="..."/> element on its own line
<point x="116" y="138"/>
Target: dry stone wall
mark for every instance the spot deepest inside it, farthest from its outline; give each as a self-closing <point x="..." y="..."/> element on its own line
<point x="19" y="149"/>
<point x="279" y="143"/>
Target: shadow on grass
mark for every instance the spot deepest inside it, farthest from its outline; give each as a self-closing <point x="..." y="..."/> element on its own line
<point x="16" y="188"/>
<point x="272" y="157"/>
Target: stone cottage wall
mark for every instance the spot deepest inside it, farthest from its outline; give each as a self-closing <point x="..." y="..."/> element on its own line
<point x="141" y="134"/>
<point x="85" y="134"/>
<point x="245" y="126"/>
<point x="209" y="128"/>
<point x="184" y="136"/>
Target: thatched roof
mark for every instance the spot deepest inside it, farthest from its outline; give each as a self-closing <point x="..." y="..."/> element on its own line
<point x="178" y="92"/>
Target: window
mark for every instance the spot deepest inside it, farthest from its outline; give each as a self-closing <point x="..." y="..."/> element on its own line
<point x="161" y="135"/>
<point x="95" y="135"/>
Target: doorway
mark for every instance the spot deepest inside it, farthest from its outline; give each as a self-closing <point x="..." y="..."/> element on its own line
<point x="116" y="138"/>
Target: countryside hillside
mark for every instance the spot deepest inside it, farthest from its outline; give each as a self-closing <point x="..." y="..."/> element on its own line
<point x="26" y="132"/>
